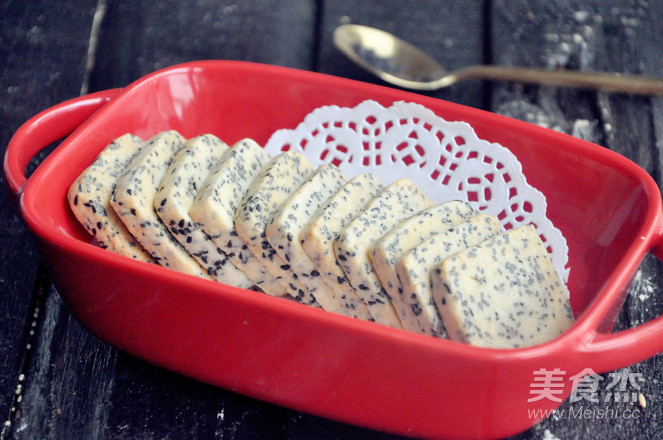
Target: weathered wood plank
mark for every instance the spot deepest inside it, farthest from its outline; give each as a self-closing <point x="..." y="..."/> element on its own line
<point x="42" y="64"/>
<point x="70" y="375"/>
<point x="616" y="36"/>
<point x="151" y="402"/>
<point x="141" y="37"/>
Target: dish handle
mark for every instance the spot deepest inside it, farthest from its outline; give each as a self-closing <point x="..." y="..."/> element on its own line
<point x="610" y="351"/>
<point x="45" y="128"/>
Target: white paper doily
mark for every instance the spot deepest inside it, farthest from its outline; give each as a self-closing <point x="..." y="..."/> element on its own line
<point x="445" y="159"/>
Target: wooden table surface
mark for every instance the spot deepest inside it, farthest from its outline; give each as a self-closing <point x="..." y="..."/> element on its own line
<point x="59" y="382"/>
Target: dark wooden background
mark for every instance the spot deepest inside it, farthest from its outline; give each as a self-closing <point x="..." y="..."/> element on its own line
<point x="59" y="382"/>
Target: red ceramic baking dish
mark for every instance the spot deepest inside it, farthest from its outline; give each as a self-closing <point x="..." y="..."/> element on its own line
<point x="303" y="358"/>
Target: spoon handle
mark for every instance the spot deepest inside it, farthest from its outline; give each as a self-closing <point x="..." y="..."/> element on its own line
<point x="605" y="82"/>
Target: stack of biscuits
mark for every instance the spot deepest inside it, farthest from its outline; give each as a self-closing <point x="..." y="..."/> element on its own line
<point x="281" y="226"/>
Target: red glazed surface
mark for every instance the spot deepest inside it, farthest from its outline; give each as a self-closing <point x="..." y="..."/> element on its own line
<point x="303" y="358"/>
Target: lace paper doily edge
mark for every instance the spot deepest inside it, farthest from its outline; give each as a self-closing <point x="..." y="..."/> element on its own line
<point x="408" y="110"/>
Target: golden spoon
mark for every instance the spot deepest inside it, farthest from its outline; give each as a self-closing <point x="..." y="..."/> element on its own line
<point x="401" y="64"/>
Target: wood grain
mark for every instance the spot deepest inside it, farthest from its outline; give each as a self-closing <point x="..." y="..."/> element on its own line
<point x="42" y="64"/>
<point x="138" y="38"/>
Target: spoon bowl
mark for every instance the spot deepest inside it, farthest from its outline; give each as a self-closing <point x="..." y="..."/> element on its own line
<point x="398" y="62"/>
<point x="388" y="57"/>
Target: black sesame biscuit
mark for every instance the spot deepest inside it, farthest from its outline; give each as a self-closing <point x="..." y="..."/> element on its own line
<point x="413" y="270"/>
<point x="502" y="293"/>
<point x="217" y="201"/>
<point x="271" y="187"/>
<point x="175" y="196"/>
<point x="133" y="201"/>
<point x="319" y="234"/>
<point x="409" y="233"/>
<point x="284" y="231"/>
<point x="89" y="198"/>
<point x="398" y="201"/>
